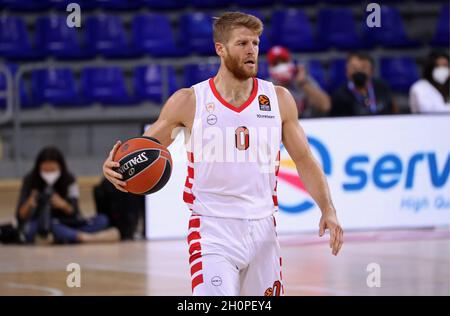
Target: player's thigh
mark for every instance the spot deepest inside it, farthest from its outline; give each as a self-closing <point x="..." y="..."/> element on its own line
<point x="215" y="276"/>
<point x="263" y="276"/>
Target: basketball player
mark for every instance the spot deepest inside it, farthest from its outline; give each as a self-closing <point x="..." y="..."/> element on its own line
<point x="232" y="238"/>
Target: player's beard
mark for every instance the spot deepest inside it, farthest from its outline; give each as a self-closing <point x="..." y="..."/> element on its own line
<point x="236" y="67"/>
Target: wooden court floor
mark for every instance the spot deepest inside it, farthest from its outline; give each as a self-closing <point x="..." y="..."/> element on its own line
<point x="413" y="262"/>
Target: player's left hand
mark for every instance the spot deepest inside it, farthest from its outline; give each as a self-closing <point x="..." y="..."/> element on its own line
<point x="329" y="221"/>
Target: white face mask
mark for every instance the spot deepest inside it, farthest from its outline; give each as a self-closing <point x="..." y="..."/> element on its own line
<point x="440" y="74"/>
<point x="50" y="177"/>
<point x="283" y="72"/>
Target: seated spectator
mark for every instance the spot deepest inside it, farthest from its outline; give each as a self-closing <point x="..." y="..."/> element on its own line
<point x="122" y="209"/>
<point x="310" y="98"/>
<point x="362" y="94"/>
<point x="431" y="94"/>
<point x="48" y="205"/>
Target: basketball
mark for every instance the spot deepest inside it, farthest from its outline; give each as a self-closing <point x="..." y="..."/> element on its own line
<point x="145" y="165"/>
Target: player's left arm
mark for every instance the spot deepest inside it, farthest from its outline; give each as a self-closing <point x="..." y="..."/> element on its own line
<point x="308" y="169"/>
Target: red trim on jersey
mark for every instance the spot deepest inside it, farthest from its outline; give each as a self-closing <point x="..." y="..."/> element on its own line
<point x="240" y="108"/>
<point x="190" y="156"/>
<point x="187" y="184"/>
<point x="195" y="256"/>
<point x="197" y="280"/>
<point x="196" y="267"/>
<point x="194" y="223"/>
<point x="191" y="172"/>
<point x="194" y="235"/>
<point x="195" y="247"/>
<point x="275" y="200"/>
<point x="188" y="198"/>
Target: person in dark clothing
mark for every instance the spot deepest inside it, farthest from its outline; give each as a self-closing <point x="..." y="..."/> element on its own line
<point x="48" y="205"/>
<point x="362" y="94"/>
<point x="122" y="209"/>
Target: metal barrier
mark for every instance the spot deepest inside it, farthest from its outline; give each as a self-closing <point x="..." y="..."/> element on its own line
<point x="15" y="115"/>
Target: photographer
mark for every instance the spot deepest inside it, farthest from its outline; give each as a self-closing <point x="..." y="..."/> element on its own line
<point x="48" y="203"/>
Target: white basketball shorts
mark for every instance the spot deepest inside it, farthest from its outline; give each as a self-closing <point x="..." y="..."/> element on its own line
<point x="231" y="257"/>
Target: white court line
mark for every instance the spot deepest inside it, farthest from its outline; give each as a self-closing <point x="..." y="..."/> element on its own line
<point x="51" y="290"/>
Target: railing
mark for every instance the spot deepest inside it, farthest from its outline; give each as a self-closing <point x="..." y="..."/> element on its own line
<point x="10" y="112"/>
<point x="17" y="117"/>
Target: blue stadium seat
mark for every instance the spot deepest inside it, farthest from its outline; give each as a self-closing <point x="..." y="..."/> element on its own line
<point x="254" y="12"/>
<point x="2" y="90"/>
<point x="391" y="33"/>
<point x="25" y="100"/>
<point x="14" y="40"/>
<point x="119" y="4"/>
<point x="316" y="71"/>
<point x="264" y="42"/>
<point x="253" y="3"/>
<point x="291" y="28"/>
<point x="298" y="2"/>
<point x="337" y="28"/>
<point x="105" y="34"/>
<point x="54" y="37"/>
<point x="156" y="41"/>
<point x="345" y="1"/>
<point x="148" y="83"/>
<point x="25" y="5"/>
<point x="196" y="32"/>
<point x="105" y="85"/>
<point x="399" y="72"/>
<point x="209" y="4"/>
<point x="164" y="5"/>
<point x="263" y="70"/>
<point x="442" y="33"/>
<point x="195" y="73"/>
<point x="54" y="86"/>
<point x="337" y="74"/>
<point x="62" y="4"/>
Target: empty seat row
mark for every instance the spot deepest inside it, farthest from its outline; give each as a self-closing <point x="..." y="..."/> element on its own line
<point x="337" y="27"/>
<point x="107" y="85"/>
<point x="28" y="5"/>
<point x="152" y="34"/>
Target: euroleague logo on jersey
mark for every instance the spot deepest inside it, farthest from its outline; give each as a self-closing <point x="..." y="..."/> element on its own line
<point x="288" y="175"/>
<point x="264" y="102"/>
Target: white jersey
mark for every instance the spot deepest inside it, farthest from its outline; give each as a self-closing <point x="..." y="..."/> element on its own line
<point x="233" y="154"/>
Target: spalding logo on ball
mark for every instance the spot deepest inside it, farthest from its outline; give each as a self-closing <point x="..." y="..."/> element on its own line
<point x="145" y="165"/>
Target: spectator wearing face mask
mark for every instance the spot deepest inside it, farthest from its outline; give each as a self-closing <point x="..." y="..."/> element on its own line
<point x="310" y="98"/>
<point x="431" y="94"/>
<point x="48" y="205"/>
<point x="362" y="94"/>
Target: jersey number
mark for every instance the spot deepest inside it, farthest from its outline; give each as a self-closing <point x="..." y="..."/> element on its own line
<point x="242" y="138"/>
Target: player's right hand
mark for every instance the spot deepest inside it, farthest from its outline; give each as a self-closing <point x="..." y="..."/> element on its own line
<point x="114" y="177"/>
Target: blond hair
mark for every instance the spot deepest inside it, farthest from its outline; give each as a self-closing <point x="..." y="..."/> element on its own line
<point x="226" y="23"/>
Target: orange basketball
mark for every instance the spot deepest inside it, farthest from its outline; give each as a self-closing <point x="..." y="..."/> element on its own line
<point x="145" y="165"/>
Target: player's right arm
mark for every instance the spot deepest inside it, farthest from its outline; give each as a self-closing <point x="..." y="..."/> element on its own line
<point x="179" y="111"/>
